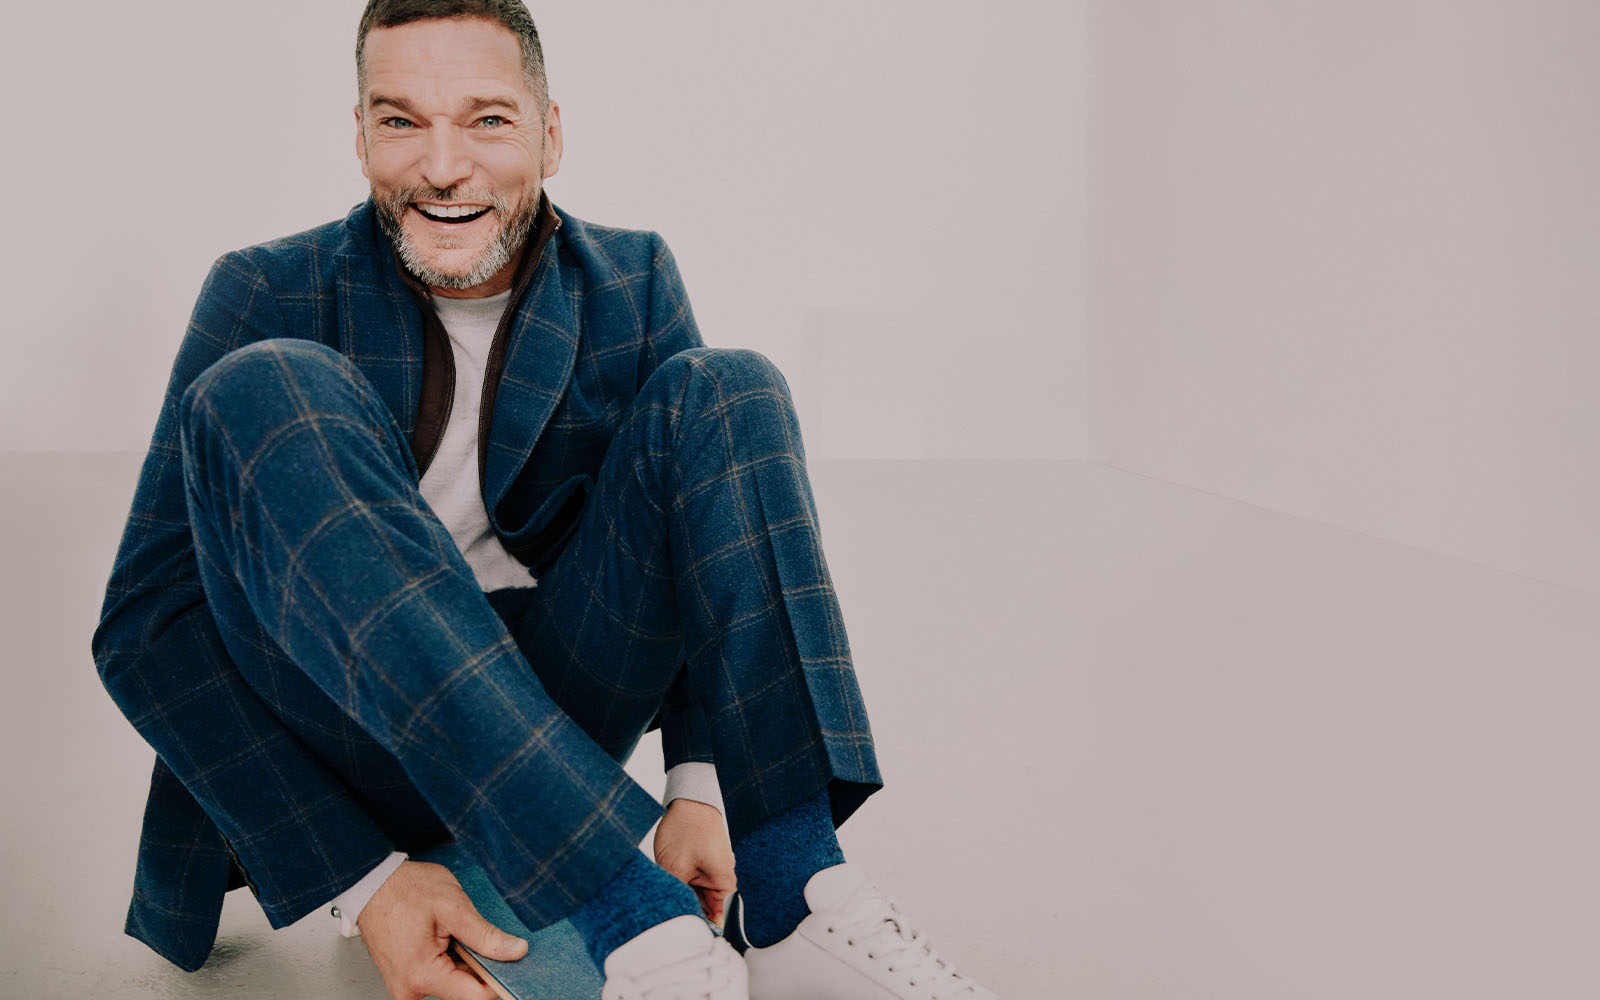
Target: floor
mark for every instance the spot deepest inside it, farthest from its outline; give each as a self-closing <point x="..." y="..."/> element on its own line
<point x="1141" y="742"/>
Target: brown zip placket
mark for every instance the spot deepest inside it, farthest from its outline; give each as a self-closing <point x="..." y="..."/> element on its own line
<point x="438" y="360"/>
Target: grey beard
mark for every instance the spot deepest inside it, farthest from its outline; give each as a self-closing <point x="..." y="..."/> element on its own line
<point x="508" y="240"/>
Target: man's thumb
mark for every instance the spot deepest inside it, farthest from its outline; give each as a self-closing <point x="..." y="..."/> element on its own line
<point x="488" y="940"/>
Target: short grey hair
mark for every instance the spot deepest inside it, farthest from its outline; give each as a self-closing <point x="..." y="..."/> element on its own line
<point x="512" y="14"/>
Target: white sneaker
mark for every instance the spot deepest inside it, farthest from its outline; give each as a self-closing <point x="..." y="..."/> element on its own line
<point x="678" y="959"/>
<point x="855" y="945"/>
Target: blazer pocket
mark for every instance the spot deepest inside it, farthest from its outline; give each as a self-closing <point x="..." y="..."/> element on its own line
<point x="536" y="542"/>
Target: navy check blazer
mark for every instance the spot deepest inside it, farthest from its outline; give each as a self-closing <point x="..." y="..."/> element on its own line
<point x="602" y="308"/>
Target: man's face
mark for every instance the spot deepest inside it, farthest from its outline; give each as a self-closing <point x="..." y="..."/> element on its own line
<point x="452" y="139"/>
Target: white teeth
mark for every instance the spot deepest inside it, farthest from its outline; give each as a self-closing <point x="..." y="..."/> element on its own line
<point x="450" y="211"/>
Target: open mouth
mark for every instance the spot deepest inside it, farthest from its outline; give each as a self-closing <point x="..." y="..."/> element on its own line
<point x="453" y="215"/>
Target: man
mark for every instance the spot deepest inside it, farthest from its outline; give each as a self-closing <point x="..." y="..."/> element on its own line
<point x="446" y="506"/>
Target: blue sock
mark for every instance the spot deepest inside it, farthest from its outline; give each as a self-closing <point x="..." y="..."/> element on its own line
<point x="775" y="861"/>
<point x="637" y="898"/>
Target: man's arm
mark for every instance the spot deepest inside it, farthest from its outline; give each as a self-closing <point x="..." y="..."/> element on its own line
<point x="691" y="841"/>
<point x="296" y="831"/>
<point x="670" y="327"/>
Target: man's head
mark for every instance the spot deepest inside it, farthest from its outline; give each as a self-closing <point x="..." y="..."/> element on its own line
<point x="456" y="133"/>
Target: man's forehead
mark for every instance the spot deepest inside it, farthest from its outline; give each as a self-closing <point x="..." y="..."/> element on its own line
<point x="445" y="61"/>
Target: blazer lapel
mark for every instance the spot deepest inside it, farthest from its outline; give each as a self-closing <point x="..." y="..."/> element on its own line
<point x="381" y="330"/>
<point x="538" y="367"/>
<point x="380" y="326"/>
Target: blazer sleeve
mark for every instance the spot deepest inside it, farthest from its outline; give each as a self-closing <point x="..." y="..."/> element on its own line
<point x="670" y="328"/>
<point x="282" y="814"/>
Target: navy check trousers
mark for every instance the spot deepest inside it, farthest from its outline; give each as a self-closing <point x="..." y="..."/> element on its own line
<point x="501" y="719"/>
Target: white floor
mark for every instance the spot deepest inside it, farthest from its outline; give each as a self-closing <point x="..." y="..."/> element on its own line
<point x="1141" y="742"/>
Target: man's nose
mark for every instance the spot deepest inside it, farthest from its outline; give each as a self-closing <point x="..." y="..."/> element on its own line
<point x="446" y="162"/>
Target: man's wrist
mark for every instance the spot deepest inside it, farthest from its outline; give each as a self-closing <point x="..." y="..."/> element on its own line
<point x="696" y="780"/>
<point x="347" y="906"/>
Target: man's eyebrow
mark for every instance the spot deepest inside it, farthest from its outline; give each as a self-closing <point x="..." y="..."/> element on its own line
<point x="398" y="103"/>
<point x="477" y="104"/>
<point x="472" y="106"/>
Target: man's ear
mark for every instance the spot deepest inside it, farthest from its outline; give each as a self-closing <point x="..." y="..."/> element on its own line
<point x="361" y="144"/>
<point x="553" y="144"/>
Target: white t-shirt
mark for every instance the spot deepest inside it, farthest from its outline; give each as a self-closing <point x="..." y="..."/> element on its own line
<point x="451" y="482"/>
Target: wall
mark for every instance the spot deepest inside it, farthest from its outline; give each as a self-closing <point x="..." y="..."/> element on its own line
<point x="1344" y="265"/>
<point x="887" y="198"/>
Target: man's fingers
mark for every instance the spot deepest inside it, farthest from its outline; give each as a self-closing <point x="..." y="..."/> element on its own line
<point x="717" y="880"/>
<point x="712" y="901"/>
<point x="471" y="929"/>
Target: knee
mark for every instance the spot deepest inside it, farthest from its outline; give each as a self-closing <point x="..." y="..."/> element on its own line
<point x="247" y="376"/>
<point x="721" y="402"/>
<point x="728" y="371"/>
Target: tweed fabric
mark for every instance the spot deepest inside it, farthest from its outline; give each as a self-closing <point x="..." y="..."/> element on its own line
<point x="309" y="525"/>
<point x="280" y="757"/>
<point x="600" y="309"/>
<point x="303" y="505"/>
<point x="700" y="546"/>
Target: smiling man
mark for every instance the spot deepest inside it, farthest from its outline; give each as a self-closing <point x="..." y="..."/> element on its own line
<point x="456" y="191"/>
<point x="446" y="506"/>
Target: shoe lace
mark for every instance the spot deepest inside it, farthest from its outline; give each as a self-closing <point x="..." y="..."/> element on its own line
<point x="879" y="926"/>
<point x="698" y="977"/>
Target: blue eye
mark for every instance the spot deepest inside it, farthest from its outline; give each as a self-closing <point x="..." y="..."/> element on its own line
<point x="400" y="123"/>
<point x="492" y="121"/>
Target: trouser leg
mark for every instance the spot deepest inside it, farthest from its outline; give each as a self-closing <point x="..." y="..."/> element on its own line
<point x="699" y="546"/>
<point x="303" y="499"/>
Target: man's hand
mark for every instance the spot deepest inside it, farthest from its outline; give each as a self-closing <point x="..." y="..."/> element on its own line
<point x="692" y="844"/>
<point x="408" y="924"/>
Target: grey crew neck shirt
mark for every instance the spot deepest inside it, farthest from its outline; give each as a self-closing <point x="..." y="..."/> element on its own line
<point x="450" y="484"/>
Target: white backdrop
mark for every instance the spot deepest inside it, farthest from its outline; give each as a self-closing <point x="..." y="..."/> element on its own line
<point x="1331" y="257"/>
<point x="877" y="195"/>
<point x="1346" y="262"/>
<point x="1335" y="259"/>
